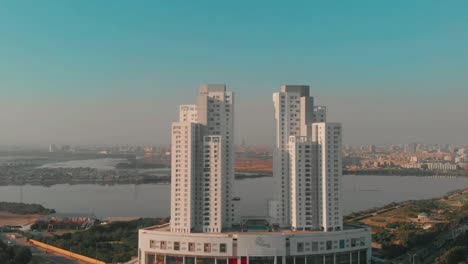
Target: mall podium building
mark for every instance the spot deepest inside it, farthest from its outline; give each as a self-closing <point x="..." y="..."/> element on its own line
<point x="304" y="224"/>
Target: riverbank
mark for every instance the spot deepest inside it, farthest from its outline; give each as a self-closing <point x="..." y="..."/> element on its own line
<point x="58" y="175"/>
<point x="406" y="172"/>
<point x="20" y="214"/>
<point x="10" y="219"/>
<point x="417" y="226"/>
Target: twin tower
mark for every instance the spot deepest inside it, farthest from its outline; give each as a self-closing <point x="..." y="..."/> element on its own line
<point x="307" y="164"/>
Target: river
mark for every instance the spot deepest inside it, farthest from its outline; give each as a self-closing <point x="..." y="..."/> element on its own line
<point x="152" y="200"/>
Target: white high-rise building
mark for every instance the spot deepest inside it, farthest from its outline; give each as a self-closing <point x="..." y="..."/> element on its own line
<point x="294" y="112"/>
<point x="203" y="163"/>
<point x="327" y="136"/>
<point x="184" y="173"/>
<point x="206" y="227"/>
<point x="307" y="164"/>
<point x="303" y="172"/>
<point x="320" y="114"/>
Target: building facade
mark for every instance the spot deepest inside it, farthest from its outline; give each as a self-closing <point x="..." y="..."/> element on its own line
<point x="304" y="178"/>
<point x="304" y="225"/>
<point x="329" y="162"/>
<point x="202" y="163"/>
<point x="294" y="114"/>
<point x="442" y="166"/>
<point x="157" y="245"/>
<point x="307" y="164"/>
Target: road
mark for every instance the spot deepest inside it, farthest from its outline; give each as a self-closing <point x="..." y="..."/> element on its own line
<point x="39" y="254"/>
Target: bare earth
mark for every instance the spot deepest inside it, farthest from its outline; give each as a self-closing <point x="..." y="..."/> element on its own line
<point x="7" y="218"/>
<point x="253" y="165"/>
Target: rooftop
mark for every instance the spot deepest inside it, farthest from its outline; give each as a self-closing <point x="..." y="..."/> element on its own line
<point x="302" y="89"/>
<point x="206" y="88"/>
<point x="285" y="231"/>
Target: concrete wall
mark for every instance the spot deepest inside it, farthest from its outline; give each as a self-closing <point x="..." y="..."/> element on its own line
<point x="256" y="244"/>
<point x="65" y="252"/>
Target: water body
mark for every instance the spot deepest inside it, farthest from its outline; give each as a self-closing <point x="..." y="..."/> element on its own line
<point x="152" y="200"/>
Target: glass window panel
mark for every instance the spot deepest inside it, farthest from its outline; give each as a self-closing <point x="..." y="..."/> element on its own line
<point x="300" y="260"/>
<point x="261" y="260"/>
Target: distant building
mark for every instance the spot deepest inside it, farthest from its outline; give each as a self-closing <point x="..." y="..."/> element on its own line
<point x="423" y="217"/>
<point x="65" y="221"/>
<point x="52" y="148"/>
<point x="411" y="165"/>
<point x="448" y="158"/>
<point x="66" y="148"/>
<point x="441" y="166"/>
<point x="320" y="114"/>
<point x="410" y="148"/>
<point x="59" y="217"/>
<point x="463" y="165"/>
<point x="148" y="151"/>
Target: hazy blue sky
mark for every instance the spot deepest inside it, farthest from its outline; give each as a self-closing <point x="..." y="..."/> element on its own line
<point x="116" y="71"/>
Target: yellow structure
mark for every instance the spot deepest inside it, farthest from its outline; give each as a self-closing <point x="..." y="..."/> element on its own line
<point x="65" y="252"/>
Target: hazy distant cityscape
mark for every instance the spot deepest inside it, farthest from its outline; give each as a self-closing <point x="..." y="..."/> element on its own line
<point x="30" y="166"/>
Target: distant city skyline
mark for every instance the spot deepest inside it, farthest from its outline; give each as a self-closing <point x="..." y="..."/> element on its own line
<point x="87" y="72"/>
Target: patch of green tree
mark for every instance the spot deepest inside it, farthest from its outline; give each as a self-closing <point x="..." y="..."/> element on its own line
<point x="459" y="216"/>
<point x="114" y="242"/>
<point x="14" y="254"/>
<point x="420" y="206"/>
<point x="24" y="209"/>
<point x="409" y="237"/>
<point x="456" y="253"/>
<point x="139" y="164"/>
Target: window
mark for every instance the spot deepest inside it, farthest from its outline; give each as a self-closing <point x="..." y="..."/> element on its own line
<point x="314" y="246"/>
<point x="300" y="247"/>
<point x="222" y="248"/>
<point x="163" y="245"/>
<point x="329" y="245"/>
<point x="207" y="247"/>
<point x="176" y="245"/>
<point x="152" y="244"/>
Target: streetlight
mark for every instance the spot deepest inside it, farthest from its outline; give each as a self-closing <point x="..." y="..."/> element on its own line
<point x="412" y="259"/>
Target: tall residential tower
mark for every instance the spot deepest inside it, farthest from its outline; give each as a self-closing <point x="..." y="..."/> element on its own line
<point x="203" y="163"/>
<point x="306" y="163"/>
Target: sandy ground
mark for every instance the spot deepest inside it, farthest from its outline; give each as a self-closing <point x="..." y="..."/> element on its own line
<point x="17" y="220"/>
<point x="253" y="165"/>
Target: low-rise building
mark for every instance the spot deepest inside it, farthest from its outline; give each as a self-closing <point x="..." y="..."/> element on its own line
<point x="441" y="166"/>
<point x="411" y="165"/>
<point x="423" y="217"/>
<point x="158" y="245"/>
